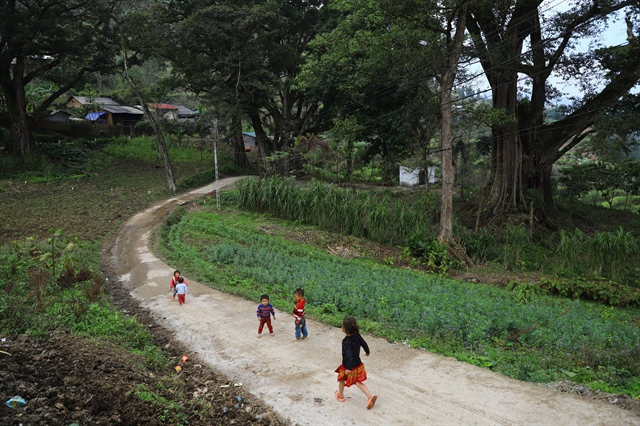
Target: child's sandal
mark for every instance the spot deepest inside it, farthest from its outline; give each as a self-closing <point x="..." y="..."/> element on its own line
<point x="372" y="402"/>
<point x="338" y="397"/>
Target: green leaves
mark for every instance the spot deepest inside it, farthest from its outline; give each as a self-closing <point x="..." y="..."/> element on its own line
<point x="379" y="217"/>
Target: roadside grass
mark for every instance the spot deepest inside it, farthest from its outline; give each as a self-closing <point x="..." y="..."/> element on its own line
<point x="45" y="286"/>
<point x="409" y="219"/>
<point x="546" y="339"/>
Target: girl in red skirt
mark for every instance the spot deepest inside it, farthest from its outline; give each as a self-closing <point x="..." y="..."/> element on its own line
<point x="351" y="371"/>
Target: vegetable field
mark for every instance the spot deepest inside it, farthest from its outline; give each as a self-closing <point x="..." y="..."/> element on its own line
<point x="547" y="339"/>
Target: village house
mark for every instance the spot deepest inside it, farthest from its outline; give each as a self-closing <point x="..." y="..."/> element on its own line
<point x="117" y="115"/>
<point x="82" y="101"/>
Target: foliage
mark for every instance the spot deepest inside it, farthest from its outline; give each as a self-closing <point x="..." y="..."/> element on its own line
<point x="145" y="149"/>
<point x="605" y="178"/>
<point x="36" y="297"/>
<point x="604" y="291"/>
<point x="434" y="253"/>
<point x="74" y="37"/>
<point x="530" y="336"/>
<point x="380" y="217"/>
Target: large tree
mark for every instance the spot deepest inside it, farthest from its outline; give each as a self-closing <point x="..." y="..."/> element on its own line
<point x="243" y="56"/>
<point x="516" y="38"/>
<point x="54" y="40"/>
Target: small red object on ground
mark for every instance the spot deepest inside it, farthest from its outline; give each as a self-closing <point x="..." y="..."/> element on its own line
<point x="185" y="358"/>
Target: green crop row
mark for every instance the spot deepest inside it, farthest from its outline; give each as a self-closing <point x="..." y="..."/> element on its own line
<point x="538" y="341"/>
<point x="379" y="217"/>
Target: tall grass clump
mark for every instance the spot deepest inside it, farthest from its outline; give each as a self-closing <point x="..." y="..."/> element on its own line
<point x="480" y="245"/>
<point x="379" y="217"/>
<point x="570" y="250"/>
<point x="516" y="238"/>
<point x="610" y="252"/>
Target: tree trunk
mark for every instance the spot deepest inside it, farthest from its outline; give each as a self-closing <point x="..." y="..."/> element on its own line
<point x="239" y="153"/>
<point x="446" y="213"/>
<point x="448" y="78"/>
<point x="262" y="141"/>
<point x="506" y="152"/>
<point x="162" y="146"/>
<point x="21" y="130"/>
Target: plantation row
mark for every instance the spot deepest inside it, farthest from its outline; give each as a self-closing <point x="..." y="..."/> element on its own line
<point x="478" y="324"/>
<point x="392" y="220"/>
<point x="378" y="217"/>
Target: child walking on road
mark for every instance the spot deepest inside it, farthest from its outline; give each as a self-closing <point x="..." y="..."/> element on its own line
<point x="351" y="371"/>
<point x="298" y="314"/>
<point x="181" y="290"/>
<point x="264" y="312"/>
<point x="172" y="284"/>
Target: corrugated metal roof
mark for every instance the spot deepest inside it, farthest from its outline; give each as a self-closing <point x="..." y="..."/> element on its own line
<point x="183" y="110"/>
<point x="85" y="100"/>
<point x="164" y="106"/>
<point x="119" y="109"/>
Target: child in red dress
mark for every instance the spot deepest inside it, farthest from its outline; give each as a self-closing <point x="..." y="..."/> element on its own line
<point x="173" y="283"/>
<point x="351" y="371"/>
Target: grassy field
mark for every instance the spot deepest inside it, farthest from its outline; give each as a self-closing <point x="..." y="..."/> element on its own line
<point x="547" y="339"/>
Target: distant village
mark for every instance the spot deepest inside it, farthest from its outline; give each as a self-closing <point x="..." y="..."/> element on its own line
<point x="109" y="114"/>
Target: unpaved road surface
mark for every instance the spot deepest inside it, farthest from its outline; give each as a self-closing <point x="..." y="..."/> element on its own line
<point x="414" y="387"/>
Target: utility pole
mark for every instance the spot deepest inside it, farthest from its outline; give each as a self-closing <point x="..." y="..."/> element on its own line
<point x="215" y="158"/>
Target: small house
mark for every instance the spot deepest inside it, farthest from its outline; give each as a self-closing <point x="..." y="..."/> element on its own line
<point x="56" y="120"/>
<point x="186" y="115"/>
<point x="249" y="139"/>
<point x="166" y="111"/>
<point x="117" y="115"/>
<point x="82" y="101"/>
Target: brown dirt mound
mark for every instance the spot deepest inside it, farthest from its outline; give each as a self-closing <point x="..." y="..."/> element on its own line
<point x="68" y="379"/>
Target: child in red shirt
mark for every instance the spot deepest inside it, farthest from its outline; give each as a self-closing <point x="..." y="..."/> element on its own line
<point x="298" y="314"/>
<point x="173" y="283"/>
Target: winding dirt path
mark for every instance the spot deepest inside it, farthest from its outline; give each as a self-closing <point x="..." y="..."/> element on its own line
<point x="414" y="387"/>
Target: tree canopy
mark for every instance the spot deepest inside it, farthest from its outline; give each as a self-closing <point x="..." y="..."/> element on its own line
<point x="56" y="41"/>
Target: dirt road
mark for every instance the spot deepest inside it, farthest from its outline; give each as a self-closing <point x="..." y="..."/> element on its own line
<point x="297" y="378"/>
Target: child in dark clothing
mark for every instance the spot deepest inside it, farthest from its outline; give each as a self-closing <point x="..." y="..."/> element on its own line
<point x="351" y="371"/>
<point x="264" y="312"/>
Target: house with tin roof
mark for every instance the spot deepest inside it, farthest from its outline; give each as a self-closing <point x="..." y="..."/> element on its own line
<point x="82" y="101"/>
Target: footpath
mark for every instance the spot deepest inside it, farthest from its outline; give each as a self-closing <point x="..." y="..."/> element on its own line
<point x="297" y="379"/>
